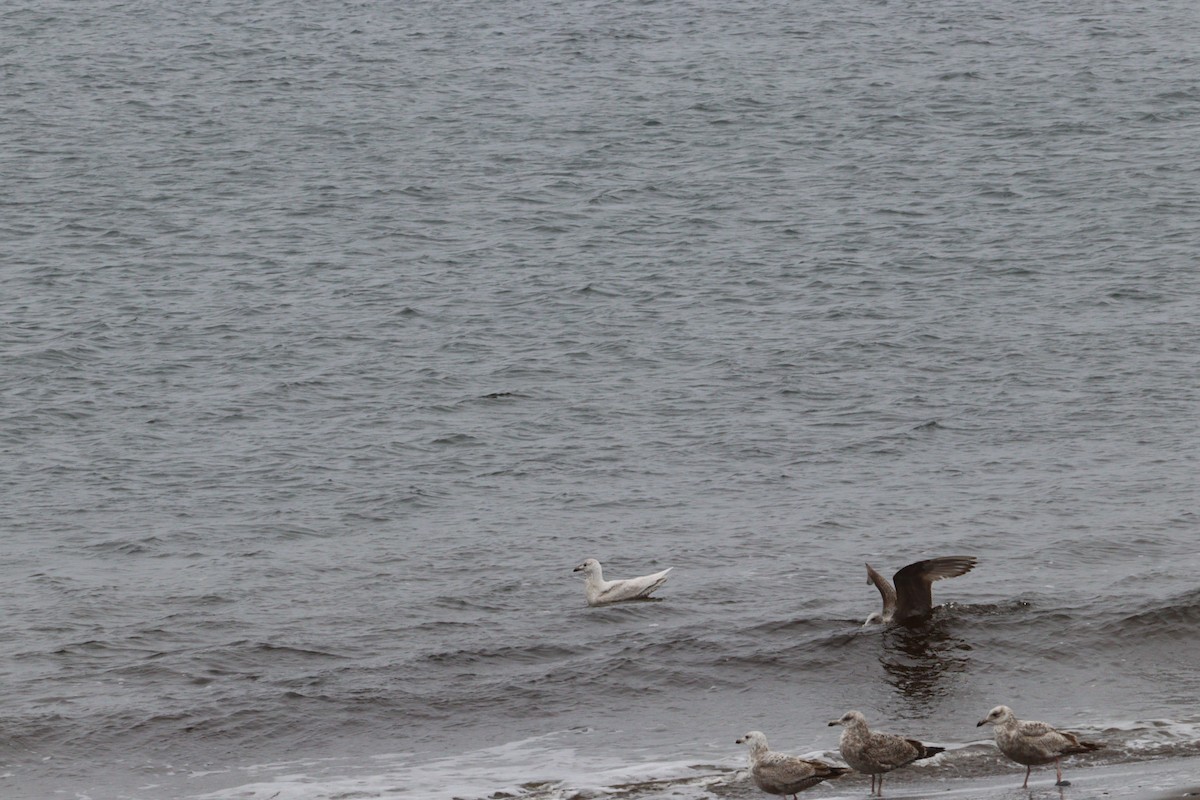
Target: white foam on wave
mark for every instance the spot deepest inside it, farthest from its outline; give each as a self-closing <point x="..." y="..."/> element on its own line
<point x="548" y="767"/>
<point x="1151" y="736"/>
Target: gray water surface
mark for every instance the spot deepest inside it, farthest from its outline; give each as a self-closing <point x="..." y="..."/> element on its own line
<point x="336" y="334"/>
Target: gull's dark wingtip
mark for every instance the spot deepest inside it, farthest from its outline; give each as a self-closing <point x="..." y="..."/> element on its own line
<point x="934" y="569"/>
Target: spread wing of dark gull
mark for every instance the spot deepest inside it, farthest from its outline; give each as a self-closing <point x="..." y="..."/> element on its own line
<point x="777" y="773"/>
<point x="1034" y="743"/>
<point x="888" y="593"/>
<point x="912" y="596"/>
<point x="601" y="592"/>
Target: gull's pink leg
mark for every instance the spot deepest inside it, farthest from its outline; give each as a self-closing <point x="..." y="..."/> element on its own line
<point x="1025" y="785"/>
<point x="1058" y="766"/>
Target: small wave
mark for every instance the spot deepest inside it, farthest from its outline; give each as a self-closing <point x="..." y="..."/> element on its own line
<point x="1177" y="617"/>
<point x="128" y="547"/>
<point x="556" y="766"/>
<point x="521" y="655"/>
<point x="457" y="439"/>
<point x="816" y="627"/>
<point x="249" y="657"/>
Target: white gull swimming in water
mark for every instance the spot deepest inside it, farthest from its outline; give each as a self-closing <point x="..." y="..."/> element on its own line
<point x="877" y="753"/>
<point x="601" y="592"/>
<point x="912" y="597"/>
<point x="777" y="773"/>
<point x="1033" y="743"/>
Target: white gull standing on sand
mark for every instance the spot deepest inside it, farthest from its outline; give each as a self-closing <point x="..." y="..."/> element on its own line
<point x="877" y="753"/>
<point x="912" y="597"/>
<point x="1033" y="743"/>
<point x="777" y="773"/>
<point x="601" y="592"/>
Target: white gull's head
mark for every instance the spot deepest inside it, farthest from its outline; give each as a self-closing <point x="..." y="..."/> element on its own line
<point x="589" y="567"/>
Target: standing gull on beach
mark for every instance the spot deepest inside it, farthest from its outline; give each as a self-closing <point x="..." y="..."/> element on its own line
<point x="777" y="773"/>
<point x="1033" y="743"/>
<point x="601" y="592"/>
<point x="912" y="597"/>
<point x="877" y="753"/>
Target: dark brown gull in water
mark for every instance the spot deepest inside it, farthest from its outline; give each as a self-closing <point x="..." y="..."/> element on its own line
<point x="777" y="773"/>
<point x="1033" y="743"/>
<point x="601" y="592"/>
<point x="877" y="753"/>
<point x="912" y="597"/>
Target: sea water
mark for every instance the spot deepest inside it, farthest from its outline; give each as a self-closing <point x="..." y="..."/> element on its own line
<point x="337" y="334"/>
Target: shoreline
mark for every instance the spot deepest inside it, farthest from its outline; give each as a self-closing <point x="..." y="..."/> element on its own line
<point x="1158" y="779"/>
